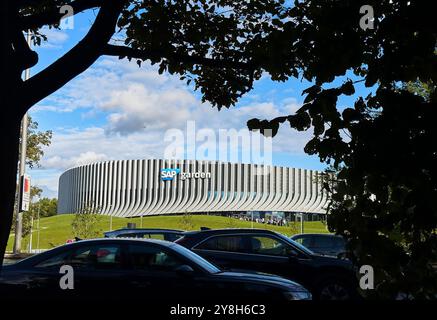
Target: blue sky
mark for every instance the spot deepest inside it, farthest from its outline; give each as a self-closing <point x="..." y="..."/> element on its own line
<point x="116" y="110"/>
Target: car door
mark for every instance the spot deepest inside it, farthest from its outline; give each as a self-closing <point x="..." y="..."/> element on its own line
<point x="324" y="245"/>
<point x="98" y="268"/>
<point x="272" y="255"/>
<point x="226" y="251"/>
<point x="305" y="240"/>
<point x="43" y="275"/>
<point x="255" y="253"/>
<point x="95" y="267"/>
<point x="154" y="272"/>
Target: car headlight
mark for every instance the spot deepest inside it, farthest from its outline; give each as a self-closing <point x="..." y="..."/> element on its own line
<point x="297" y="295"/>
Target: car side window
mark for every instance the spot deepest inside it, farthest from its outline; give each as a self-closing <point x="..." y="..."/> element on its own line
<point x="323" y="242"/>
<point x="130" y="235"/>
<point x="306" y="241"/>
<point x="97" y="257"/>
<point x="150" y="258"/>
<point x="158" y="236"/>
<point x="269" y="246"/>
<point x="224" y="243"/>
<point x="172" y="236"/>
<point x="55" y="261"/>
<point x="143" y="235"/>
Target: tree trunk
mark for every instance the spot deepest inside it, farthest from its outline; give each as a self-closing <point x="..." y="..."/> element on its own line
<point x="10" y="136"/>
<point x="12" y="110"/>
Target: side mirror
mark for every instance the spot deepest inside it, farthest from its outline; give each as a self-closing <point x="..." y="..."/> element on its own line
<point x="184" y="270"/>
<point x="292" y="255"/>
<point x="342" y="255"/>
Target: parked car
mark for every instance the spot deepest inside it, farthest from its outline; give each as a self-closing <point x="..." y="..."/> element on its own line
<point x="143" y="269"/>
<point x="270" y="252"/>
<point x="161" y="234"/>
<point x="326" y="244"/>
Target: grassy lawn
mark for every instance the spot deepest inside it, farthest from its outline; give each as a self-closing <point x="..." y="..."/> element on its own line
<point x="56" y="230"/>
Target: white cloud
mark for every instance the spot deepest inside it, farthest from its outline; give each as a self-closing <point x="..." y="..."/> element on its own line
<point x="47" y="180"/>
<point x="73" y="147"/>
<point x="83" y="158"/>
<point x="137" y="107"/>
<point x="134" y="99"/>
<point x="55" y="38"/>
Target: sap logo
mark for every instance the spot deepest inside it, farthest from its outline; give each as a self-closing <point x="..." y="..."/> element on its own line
<point x="169" y="174"/>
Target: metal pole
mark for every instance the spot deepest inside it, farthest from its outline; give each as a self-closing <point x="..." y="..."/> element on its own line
<point x="30" y="237"/>
<point x="301" y="223"/>
<point x="37" y="241"/>
<point x="252" y="218"/>
<point x="24" y="124"/>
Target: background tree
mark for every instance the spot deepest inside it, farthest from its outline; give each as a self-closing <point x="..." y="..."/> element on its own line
<point x="422" y="89"/>
<point x="232" y="222"/>
<point x="42" y="208"/>
<point x="294" y="226"/>
<point x="36" y="141"/>
<point x="186" y="221"/>
<point x="35" y="192"/>
<point x="85" y="223"/>
<point x="47" y="207"/>
<point x="383" y="146"/>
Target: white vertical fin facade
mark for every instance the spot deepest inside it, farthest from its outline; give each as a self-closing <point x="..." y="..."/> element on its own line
<point x="129" y="188"/>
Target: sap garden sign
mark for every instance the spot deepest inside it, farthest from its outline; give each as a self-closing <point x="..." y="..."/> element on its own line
<point x="169" y="174"/>
<point x="195" y="175"/>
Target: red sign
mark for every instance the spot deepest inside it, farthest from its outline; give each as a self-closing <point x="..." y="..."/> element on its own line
<point x="24" y="193"/>
<point x="26" y="184"/>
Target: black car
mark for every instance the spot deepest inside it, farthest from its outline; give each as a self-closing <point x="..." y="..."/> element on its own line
<point x="270" y="252"/>
<point x="326" y="244"/>
<point x="152" y="270"/>
<point x="160" y="234"/>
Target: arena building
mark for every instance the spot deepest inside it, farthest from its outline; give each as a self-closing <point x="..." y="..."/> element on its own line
<point x="129" y="188"/>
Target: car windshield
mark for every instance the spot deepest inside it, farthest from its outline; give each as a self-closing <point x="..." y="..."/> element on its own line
<point x="296" y="244"/>
<point x="209" y="267"/>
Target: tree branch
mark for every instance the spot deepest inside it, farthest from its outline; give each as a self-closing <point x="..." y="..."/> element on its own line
<point x="77" y="60"/>
<point x="123" y="51"/>
<point x="53" y="15"/>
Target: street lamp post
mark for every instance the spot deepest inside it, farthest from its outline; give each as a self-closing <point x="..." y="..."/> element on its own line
<point x="31" y="225"/>
<point x="22" y="171"/>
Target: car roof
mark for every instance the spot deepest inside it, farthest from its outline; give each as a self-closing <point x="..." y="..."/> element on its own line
<point x="139" y="240"/>
<point x="316" y="234"/>
<point x="229" y="231"/>
<point x="46" y="254"/>
<point x="128" y="230"/>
